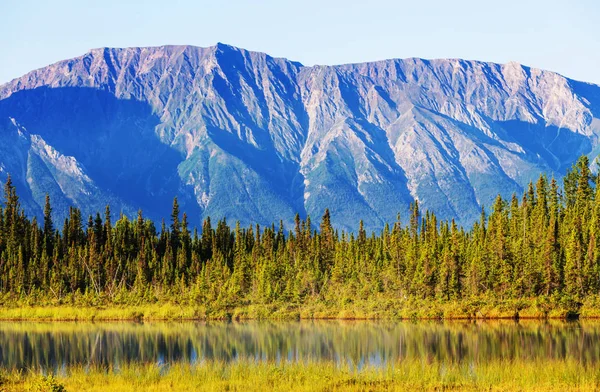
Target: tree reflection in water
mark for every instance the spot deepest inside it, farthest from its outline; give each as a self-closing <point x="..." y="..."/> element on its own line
<point x="54" y="346"/>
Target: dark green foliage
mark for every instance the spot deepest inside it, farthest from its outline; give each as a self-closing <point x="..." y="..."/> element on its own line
<point x="545" y="244"/>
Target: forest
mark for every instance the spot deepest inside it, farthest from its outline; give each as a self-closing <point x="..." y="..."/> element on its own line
<point x="536" y="254"/>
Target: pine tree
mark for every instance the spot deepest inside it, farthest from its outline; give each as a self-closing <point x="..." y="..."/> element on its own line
<point x="48" y="226"/>
<point x="175" y="226"/>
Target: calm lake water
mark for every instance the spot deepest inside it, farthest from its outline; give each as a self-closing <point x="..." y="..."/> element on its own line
<point x="55" y="346"/>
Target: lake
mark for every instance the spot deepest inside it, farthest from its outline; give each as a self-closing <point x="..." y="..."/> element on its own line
<point x="55" y="346"/>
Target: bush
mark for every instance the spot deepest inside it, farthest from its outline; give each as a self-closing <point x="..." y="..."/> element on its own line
<point x="48" y="384"/>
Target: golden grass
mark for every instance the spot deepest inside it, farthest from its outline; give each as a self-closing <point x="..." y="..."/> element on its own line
<point x="107" y="313"/>
<point x="377" y="308"/>
<point x="319" y="376"/>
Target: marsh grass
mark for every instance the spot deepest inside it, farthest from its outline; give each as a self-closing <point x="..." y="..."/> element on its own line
<point x="379" y="308"/>
<point x="316" y="376"/>
<point x="165" y="311"/>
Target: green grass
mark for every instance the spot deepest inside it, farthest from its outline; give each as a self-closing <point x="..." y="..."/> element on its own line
<point x="316" y="376"/>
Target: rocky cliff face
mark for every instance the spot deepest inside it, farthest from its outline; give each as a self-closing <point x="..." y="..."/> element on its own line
<point x="254" y="138"/>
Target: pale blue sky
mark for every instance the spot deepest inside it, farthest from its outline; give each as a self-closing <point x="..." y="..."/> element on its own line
<point x="562" y="36"/>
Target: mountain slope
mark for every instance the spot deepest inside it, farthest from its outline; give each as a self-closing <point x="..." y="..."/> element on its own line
<point x="247" y="136"/>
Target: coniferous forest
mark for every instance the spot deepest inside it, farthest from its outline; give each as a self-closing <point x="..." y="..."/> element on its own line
<point x="536" y="254"/>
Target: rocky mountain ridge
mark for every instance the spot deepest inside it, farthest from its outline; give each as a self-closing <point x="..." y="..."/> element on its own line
<point x="243" y="135"/>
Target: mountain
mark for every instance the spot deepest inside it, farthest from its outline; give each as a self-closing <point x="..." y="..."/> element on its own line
<point x="243" y="135"/>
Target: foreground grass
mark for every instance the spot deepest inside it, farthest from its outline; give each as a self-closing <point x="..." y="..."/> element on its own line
<point x="252" y="376"/>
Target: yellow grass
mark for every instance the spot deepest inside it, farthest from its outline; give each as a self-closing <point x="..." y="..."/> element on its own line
<point x="318" y="376"/>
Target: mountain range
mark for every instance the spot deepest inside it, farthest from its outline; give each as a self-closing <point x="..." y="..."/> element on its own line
<point x="243" y="135"/>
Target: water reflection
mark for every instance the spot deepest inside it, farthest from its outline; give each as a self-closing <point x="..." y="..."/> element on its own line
<point x="57" y="345"/>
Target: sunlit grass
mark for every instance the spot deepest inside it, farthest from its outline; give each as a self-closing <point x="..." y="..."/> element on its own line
<point x="378" y="308"/>
<point x="164" y="311"/>
<point x="319" y="376"/>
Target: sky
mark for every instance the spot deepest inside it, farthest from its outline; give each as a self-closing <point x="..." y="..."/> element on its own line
<point x="561" y="36"/>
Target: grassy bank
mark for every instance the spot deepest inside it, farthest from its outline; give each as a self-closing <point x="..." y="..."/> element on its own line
<point x="482" y="308"/>
<point x="251" y="376"/>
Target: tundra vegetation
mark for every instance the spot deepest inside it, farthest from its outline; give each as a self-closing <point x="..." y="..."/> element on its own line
<point x="315" y="376"/>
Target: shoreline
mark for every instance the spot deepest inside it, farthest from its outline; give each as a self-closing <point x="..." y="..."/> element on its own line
<point x="183" y="313"/>
<point x="435" y="375"/>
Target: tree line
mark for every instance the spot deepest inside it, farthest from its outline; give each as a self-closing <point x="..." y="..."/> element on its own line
<point x="544" y="243"/>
